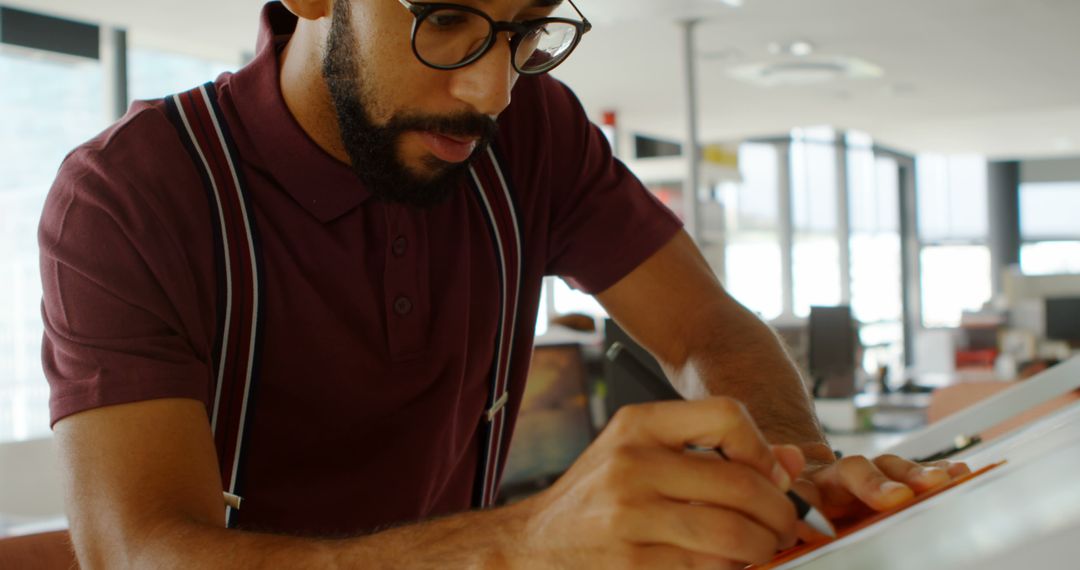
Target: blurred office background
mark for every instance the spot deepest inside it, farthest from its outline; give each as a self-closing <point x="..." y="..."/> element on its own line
<point x="917" y="163"/>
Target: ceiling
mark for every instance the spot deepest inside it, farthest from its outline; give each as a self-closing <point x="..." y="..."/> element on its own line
<point x="996" y="77"/>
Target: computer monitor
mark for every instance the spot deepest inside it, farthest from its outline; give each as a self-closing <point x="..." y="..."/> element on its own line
<point x="553" y="426"/>
<point x="1063" y="319"/>
<point x="832" y="351"/>
<point x="622" y="388"/>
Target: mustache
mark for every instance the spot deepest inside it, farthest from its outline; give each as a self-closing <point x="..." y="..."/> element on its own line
<point x="463" y="124"/>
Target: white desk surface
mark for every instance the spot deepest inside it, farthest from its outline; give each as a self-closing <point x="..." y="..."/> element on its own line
<point x="1025" y="513"/>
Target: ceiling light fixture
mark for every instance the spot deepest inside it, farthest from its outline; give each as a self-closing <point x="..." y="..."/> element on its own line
<point x="805" y="71"/>
<point x="797" y="48"/>
<point x="801" y="48"/>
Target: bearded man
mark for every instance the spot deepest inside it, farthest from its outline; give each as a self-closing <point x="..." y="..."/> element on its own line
<point x="335" y="255"/>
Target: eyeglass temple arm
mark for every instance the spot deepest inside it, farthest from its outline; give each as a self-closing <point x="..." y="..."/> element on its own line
<point x="584" y="20"/>
<point x="412" y="7"/>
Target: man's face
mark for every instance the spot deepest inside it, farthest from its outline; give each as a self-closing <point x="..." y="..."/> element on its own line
<point x="410" y="130"/>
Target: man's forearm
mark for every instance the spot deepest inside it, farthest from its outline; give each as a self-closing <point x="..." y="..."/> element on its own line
<point x="730" y="352"/>
<point x="476" y="539"/>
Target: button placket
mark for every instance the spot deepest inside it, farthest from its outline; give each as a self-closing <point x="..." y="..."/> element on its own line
<point x="405" y="282"/>
<point x="400" y="246"/>
<point x="402" y="306"/>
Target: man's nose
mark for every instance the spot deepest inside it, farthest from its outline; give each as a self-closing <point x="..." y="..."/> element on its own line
<point x="485" y="84"/>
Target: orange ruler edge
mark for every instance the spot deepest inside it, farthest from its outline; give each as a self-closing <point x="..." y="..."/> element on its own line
<point x="801" y="549"/>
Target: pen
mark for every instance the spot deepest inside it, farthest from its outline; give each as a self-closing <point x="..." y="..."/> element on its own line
<point x="660" y="389"/>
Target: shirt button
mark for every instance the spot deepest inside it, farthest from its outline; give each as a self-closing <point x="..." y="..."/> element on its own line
<point x="400" y="246"/>
<point x="402" y="306"/>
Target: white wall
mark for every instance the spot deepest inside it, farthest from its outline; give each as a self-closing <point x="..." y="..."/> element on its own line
<point x="30" y="483"/>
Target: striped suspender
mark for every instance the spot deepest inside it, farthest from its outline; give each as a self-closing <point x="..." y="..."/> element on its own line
<point x="496" y="201"/>
<point x="238" y="260"/>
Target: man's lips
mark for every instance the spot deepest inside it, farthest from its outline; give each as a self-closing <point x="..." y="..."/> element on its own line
<point x="449" y="148"/>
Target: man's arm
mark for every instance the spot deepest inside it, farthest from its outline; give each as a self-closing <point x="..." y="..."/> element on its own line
<point x="709" y="344"/>
<point x="143" y="491"/>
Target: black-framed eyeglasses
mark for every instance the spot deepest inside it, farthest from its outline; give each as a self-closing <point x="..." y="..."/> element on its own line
<point x="450" y="36"/>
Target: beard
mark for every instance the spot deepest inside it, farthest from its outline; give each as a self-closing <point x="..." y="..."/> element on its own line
<point x="372" y="148"/>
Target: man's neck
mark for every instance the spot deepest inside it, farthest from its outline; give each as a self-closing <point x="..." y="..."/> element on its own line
<point x="304" y="89"/>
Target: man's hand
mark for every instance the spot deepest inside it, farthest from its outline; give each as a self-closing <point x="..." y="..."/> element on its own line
<point x="636" y="498"/>
<point x="855" y="486"/>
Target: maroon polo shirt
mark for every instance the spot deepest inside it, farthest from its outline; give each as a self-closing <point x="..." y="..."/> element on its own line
<point x="380" y="319"/>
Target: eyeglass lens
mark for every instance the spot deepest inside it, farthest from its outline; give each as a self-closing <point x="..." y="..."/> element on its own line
<point x="448" y="37"/>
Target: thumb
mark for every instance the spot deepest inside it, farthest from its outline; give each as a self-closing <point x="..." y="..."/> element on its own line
<point x="790" y="458"/>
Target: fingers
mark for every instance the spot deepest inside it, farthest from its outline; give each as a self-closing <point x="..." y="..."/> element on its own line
<point x="866" y="482"/>
<point x="715" y="422"/>
<point x="702" y="530"/>
<point x="791" y="458"/>
<point x="698" y="478"/>
<point x="664" y="556"/>
<point x="809" y="491"/>
<point x="636" y="495"/>
<point x="882" y="484"/>
<point x="955" y="470"/>
<point x="920" y="478"/>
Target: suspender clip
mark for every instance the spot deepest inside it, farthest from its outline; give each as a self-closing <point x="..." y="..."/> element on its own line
<point x="232" y="500"/>
<point x="497" y="406"/>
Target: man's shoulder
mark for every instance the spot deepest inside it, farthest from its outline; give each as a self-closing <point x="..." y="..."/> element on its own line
<point x="542" y="116"/>
<point x="134" y="173"/>
<point x="142" y="145"/>
<point x="140" y="161"/>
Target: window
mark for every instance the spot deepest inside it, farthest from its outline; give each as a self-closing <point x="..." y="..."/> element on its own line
<point x="1050" y="257"/>
<point x="875" y="262"/>
<point x="50" y="104"/>
<point x="1049" y="231"/>
<point x="955" y="278"/>
<point x="814" y="209"/>
<point x="752" y="259"/>
<point x="155" y="73"/>
<point x="874" y="204"/>
<point x="953" y="226"/>
<point x="952" y="198"/>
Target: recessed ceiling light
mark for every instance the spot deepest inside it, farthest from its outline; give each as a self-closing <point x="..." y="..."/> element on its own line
<point x="732" y="3"/>
<point x="805" y="71"/>
<point x="797" y="48"/>
<point x="801" y="48"/>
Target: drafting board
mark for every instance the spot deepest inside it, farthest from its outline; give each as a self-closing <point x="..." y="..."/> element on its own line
<point x="1025" y="513"/>
<point x="1005" y="404"/>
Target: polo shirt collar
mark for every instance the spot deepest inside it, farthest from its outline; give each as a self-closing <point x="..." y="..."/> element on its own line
<point x="326" y="187"/>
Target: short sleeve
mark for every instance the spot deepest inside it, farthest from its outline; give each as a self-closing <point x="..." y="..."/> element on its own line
<point x="121" y="304"/>
<point x="604" y="221"/>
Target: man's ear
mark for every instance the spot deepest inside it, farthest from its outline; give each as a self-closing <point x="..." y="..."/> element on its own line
<point x="311" y="9"/>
